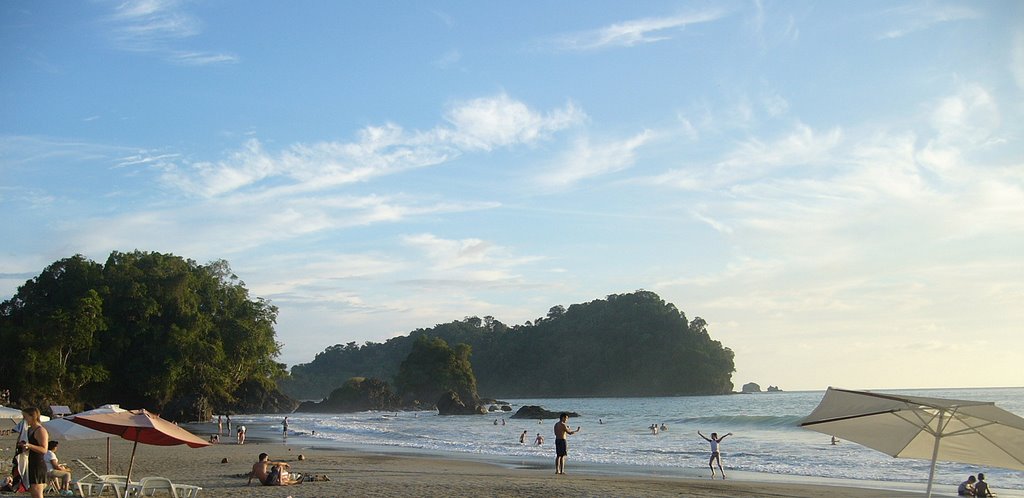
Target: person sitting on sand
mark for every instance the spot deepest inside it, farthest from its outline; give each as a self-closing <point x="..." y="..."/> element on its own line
<point x="715" y="454"/>
<point x="981" y="488"/>
<point x="966" y="488"/>
<point x="270" y="473"/>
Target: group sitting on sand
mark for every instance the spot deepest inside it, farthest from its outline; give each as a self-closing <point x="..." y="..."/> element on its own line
<point x="974" y="487"/>
<point x="270" y="473"/>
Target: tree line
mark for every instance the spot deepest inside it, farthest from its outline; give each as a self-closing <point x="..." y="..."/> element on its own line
<point x="143" y="329"/>
<point x="632" y="344"/>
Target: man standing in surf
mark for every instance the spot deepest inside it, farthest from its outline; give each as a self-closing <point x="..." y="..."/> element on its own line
<point x="561" y="447"/>
<point x="715" y="452"/>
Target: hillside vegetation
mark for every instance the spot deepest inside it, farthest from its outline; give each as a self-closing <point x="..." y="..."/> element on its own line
<point x="631" y="344"/>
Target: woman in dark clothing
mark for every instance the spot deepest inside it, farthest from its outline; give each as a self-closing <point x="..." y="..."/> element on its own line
<point x="37" y="446"/>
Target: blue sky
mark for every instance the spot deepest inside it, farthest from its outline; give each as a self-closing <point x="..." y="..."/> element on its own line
<point x="836" y="187"/>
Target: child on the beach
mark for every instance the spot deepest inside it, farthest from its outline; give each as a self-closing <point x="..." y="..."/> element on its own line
<point x="715" y="454"/>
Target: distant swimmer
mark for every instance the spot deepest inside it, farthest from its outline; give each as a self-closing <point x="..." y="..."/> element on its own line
<point x="600" y="421"/>
<point x="664" y="427"/>
<point x="502" y="421"/>
<point x="654" y="429"/>
<point x="522" y="438"/>
<point x="495" y="421"/>
<point x="715" y="453"/>
<point x="539" y="441"/>
<point x="835" y="440"/>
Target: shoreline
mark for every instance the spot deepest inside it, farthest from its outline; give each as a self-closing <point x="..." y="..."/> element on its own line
<point x="358" y="473"/>
<point x="684" y="477"/>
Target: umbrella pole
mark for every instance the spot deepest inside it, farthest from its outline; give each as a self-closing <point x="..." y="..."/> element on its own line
<point x="935" y="455"/>
<point x="108" y="456"/>
<point x="131" y="463"/>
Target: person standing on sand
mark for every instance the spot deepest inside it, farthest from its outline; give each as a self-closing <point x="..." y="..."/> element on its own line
<point x="220" y="425"/>
<point x="284" y="424"/>
<point x="36" y="444"/>
<point x="715" y="453"/>
<point x="240" y="435"/>
<point x="562" y="432"/>
<point x="522" y="438"/>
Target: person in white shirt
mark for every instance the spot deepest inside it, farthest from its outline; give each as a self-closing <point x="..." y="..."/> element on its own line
<point x="716" y="455"/>
<point x="57" y="470"/>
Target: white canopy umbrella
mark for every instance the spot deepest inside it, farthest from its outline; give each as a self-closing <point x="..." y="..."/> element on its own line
<point x="975" y="432"/>
<point x="10" y="413"/>
<point x="63" y="429"/>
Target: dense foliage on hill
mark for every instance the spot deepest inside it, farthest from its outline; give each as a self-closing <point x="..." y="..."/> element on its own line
<point x="143" y="329"/>
<point x="433" y="368"/>
<point x="632" y="344"/>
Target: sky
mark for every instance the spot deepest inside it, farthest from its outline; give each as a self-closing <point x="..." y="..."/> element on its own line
<point x="837" y="188"/>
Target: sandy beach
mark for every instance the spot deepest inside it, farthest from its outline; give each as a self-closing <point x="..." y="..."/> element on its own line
<point x="380" y="475"/>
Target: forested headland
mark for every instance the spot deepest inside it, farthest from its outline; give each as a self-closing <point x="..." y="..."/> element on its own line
<point x="146" y="330"/>
<point x="631" y="344"/>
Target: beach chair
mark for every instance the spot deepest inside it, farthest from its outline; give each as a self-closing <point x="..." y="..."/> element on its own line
<point x="94" y="484"/>
<point x="148" y="486"/>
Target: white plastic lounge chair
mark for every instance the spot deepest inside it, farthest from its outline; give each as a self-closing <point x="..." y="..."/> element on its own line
<point x="148" y="486"/>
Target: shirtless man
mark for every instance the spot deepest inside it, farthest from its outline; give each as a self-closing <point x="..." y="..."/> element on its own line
<point x="561" y="448"/>
<point x="715" y="454"/>
<point x="522" y="438"/>
<point x="261" y="471"/>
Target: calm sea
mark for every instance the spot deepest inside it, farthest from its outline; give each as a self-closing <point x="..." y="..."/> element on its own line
<point x="766" y="437"/>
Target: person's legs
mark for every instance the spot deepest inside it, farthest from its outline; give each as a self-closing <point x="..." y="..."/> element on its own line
<point x="63" y="476"/>
<point x="711" y="464"/>
<point x="718" y="457"/>
<point x="36" y="490"/>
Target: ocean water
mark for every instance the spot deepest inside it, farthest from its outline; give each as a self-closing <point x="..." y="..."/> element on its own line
<point x="766" y="438"/>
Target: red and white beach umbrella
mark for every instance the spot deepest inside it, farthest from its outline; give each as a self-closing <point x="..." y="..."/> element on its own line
<point x="140" y="426"/>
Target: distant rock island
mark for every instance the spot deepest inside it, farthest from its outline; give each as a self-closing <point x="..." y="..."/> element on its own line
<point x="539" y="413"/>
<point x="633" y="344"/>
<point x="754" y="387"/>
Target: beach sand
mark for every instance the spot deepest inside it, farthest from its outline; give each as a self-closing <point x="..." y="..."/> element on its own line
<point x="380" y="475"/>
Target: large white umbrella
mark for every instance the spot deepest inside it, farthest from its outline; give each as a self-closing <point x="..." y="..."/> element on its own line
<point x="63" y="429"/>
<point x="975" y="432"/>
<point x="10" y="413"/>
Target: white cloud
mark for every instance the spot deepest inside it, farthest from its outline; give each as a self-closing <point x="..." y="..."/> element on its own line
<point x="448" y="59"/>
<point x="469" y="260"/>
<point x="586" y="160"/>
<point x="500" y="121"/>
<point x="756" y="158"/>
<point x="481" y="124"/>
<point x="1017" y="59"/>
<point x="160" y="27"/>
<point x="918" y="17"/>
<point x="634" y="32"/>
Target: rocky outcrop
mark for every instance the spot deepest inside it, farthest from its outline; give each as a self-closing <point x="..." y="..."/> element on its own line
<point x="451" y="404"/>
<point x="356" y="395"/>
<point x="751" y="387"/>
<point x="774" y="389"/>
<point x="539" y="413"/>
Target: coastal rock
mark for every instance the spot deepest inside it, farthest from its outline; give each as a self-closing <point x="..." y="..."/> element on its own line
<point x="751" y="387"/>
<point x="538" y="413"/>
<point x="255" y="397"/>
<point x="451" y="404"/>
<point x="774" y="389"/>
<point x="355" y="395"/>
<point x="506" y="408"/>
